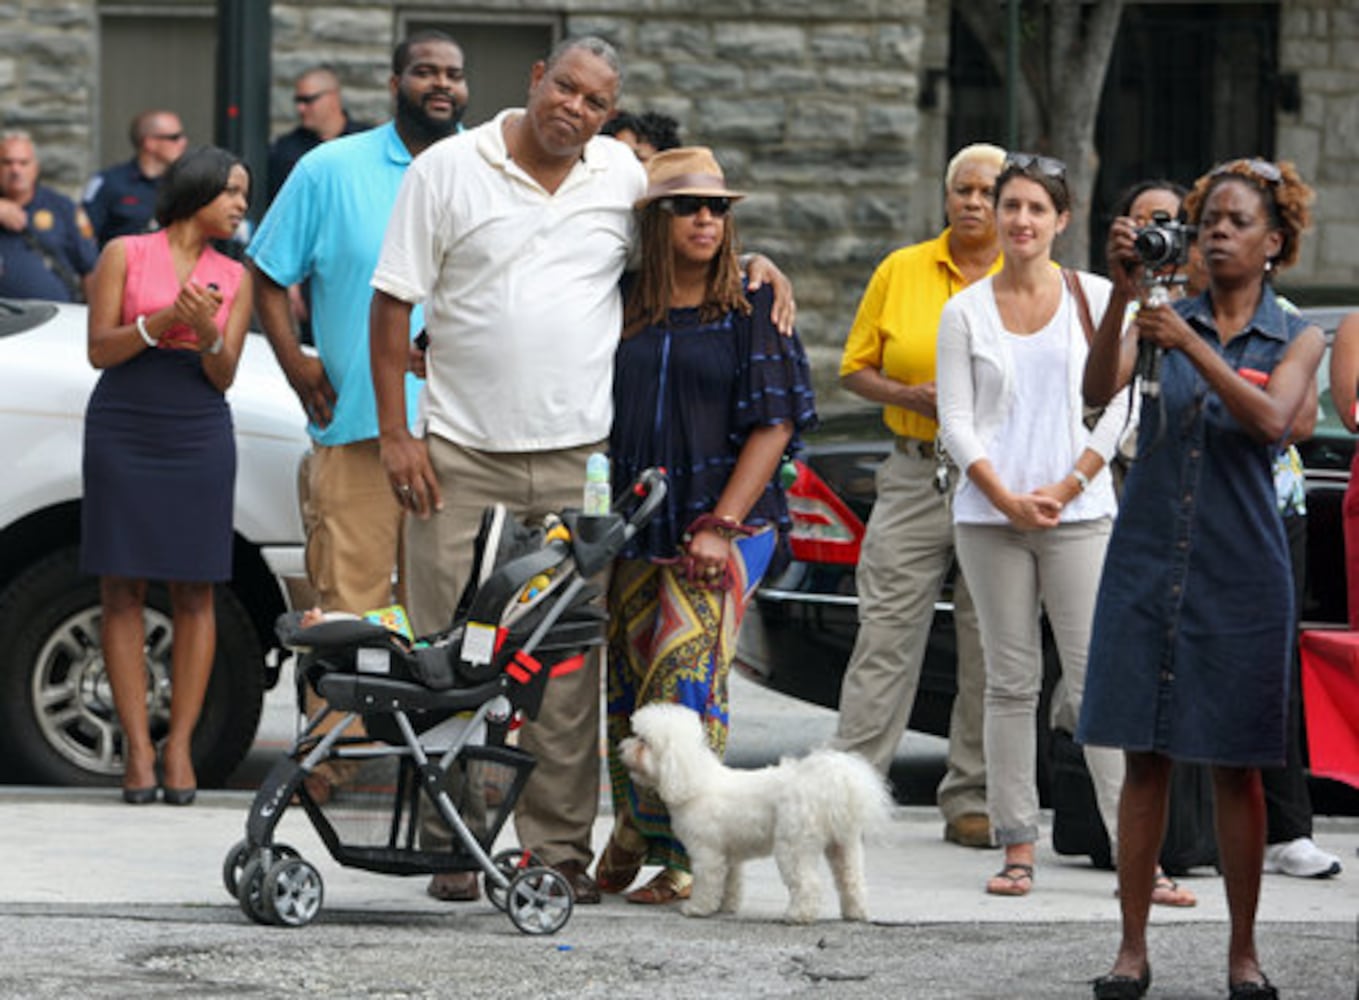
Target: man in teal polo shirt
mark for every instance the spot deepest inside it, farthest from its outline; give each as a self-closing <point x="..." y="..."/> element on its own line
<point x="326" y="225"/>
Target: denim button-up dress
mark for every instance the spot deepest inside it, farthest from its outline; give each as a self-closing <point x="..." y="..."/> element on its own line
<point x="1190" y="650"/>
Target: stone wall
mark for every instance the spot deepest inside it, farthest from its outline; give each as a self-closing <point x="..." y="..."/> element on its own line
<point x="48" y="79"/>
<point x="812" y="106"/>
<point x="1319" y="42"/>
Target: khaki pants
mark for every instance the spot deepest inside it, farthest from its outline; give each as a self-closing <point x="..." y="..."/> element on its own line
<point x="906" y="553"/>
<point x="353" y="525"/>
<point x="555" y="815"/>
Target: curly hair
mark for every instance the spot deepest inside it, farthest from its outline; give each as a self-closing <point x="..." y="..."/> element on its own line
<point x="648" y="300"/>
<point x="1286" y="197"/>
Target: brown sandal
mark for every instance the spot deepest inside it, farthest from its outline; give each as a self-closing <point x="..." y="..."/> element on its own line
<point x="617" y="867"/>
<point x="668" y="886"/>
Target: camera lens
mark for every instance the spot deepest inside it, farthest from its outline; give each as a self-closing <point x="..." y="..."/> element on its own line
<point x="1155" y="246"/>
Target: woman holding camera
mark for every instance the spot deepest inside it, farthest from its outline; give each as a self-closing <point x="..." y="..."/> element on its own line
<point x="1190" y="655"/>
<point x="1033" y="516"/>
<point x="167" y="323"/>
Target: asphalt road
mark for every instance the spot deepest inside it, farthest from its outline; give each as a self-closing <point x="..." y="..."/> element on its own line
<point x="102" y="900"/>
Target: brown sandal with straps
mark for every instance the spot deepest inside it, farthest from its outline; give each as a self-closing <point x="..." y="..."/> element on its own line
<point x="668" y="886"/>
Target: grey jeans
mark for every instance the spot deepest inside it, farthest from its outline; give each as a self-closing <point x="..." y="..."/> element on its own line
<point x="1013" y="573"/>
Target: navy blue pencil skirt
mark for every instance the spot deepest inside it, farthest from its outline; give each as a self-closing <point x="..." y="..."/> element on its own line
<point x="160" y="471"/>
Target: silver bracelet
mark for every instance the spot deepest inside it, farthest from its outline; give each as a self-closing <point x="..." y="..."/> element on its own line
<point x="1082" y="480"/>
<point x="216" y="347"/>
<point x="146" y="334"/>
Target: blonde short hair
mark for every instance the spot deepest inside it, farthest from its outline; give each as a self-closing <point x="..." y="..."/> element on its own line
<point x="978" y="152"/>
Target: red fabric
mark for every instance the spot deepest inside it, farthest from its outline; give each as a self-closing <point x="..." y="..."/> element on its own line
<point x="1350" y="525"/>
<point x="1330" y="698"/>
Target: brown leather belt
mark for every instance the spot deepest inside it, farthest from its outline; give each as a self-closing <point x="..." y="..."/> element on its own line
<point x="915" y="447"/>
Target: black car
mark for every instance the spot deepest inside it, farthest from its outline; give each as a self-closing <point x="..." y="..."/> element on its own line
<point x="799" y="631"/>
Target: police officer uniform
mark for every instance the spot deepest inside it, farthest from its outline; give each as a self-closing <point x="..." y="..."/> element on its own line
<point x="47" y="259"/>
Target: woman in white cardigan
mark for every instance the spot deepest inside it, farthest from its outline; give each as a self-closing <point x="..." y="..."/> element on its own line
<point x="1034" y="513"/>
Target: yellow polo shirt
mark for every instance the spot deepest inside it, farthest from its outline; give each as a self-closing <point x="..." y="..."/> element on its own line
<point x="896" y="328"/>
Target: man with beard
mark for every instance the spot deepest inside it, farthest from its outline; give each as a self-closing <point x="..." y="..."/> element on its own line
<point x="326" y="226"/>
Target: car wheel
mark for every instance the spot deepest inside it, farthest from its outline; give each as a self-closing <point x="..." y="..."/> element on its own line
<point x="57" y="721"/>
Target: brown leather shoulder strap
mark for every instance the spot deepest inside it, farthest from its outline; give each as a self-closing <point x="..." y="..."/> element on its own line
<point x="1073" y="282"/>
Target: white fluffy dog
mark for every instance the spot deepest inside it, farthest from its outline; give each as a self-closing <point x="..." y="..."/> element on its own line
<point x="823" y="803"/>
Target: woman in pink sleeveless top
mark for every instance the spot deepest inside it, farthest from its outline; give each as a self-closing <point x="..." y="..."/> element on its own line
<point x="167" y="324"/>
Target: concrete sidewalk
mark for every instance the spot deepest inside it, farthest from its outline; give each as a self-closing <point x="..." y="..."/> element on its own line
<point x="77" y="847"/>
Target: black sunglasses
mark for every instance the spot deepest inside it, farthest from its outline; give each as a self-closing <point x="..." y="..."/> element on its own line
<point x="684" y="205"/>
<point x="168" y="136"/>
<point x="1256" y="167"/>
<point x="309" y="98"/>
<point x="1030" y="163"/>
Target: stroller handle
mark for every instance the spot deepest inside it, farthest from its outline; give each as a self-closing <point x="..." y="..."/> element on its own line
<point x="642" y="499"/>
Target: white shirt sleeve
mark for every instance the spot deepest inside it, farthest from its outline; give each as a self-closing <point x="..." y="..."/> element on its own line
<point x="956" y="387"/>
<point x="1109" y="430"/>
<point x="411" y="250"/>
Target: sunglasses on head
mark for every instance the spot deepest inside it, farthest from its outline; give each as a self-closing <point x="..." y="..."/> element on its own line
<point x="309" y="99"/>
<point x="684" y="205"/>
<point x="1032" y="163"/>
<point x="1260" y="169"/>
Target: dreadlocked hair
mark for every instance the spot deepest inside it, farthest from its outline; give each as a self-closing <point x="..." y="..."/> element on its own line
<point x="648" y="302"/>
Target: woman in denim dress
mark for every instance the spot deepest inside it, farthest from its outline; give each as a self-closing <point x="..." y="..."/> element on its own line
<point x="1189" y="657"/>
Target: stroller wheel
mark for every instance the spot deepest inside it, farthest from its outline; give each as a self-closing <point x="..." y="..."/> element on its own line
<point x="249" y="891"/>
<point x="539" y="901"/>
<point x="233" y="865"/>
<point x="509" y="863"/>
<point x="292" y="892"/>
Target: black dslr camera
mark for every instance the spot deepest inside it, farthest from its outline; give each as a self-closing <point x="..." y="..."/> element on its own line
<point x="1164" y="242"/>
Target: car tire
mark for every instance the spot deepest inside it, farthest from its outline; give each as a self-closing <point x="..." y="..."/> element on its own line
<point x="57" y="723"/>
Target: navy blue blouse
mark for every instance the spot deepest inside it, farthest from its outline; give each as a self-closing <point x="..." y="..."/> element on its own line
<point x="1190" y="651"/>
<point x="687" y="395"/>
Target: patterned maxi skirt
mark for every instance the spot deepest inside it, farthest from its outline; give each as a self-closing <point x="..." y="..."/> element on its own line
<point x="672" y="640"/>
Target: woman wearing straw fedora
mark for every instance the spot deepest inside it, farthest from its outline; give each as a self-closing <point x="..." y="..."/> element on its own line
<point x="707" y="388"/>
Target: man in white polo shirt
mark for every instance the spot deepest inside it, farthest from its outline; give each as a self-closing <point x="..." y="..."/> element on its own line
<point x="514" y="236"/>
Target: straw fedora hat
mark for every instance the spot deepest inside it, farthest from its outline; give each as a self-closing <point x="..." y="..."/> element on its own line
<point x="686" y="170"/>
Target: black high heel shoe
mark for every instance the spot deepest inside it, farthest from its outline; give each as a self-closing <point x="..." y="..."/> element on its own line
<point x="1114" y="987"/>
<point x="140" y="796"/>
<point x="179" y="796"/>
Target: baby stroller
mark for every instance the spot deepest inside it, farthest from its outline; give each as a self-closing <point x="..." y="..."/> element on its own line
<point x="437" y="708"/>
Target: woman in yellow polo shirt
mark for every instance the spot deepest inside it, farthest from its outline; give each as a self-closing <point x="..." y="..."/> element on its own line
<point x="908" y="547"/>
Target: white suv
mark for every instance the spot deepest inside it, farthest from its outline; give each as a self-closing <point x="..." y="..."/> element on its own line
<point x="57" y="723"/>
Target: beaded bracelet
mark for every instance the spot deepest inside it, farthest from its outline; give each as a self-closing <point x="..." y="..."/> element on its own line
<point x="726" y="526"/>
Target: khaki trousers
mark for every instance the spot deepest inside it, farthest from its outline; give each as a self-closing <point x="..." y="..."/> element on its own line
<point x="555" y="815"/>
<point x="906" y="554"/>
<point x="353" y="525"/>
